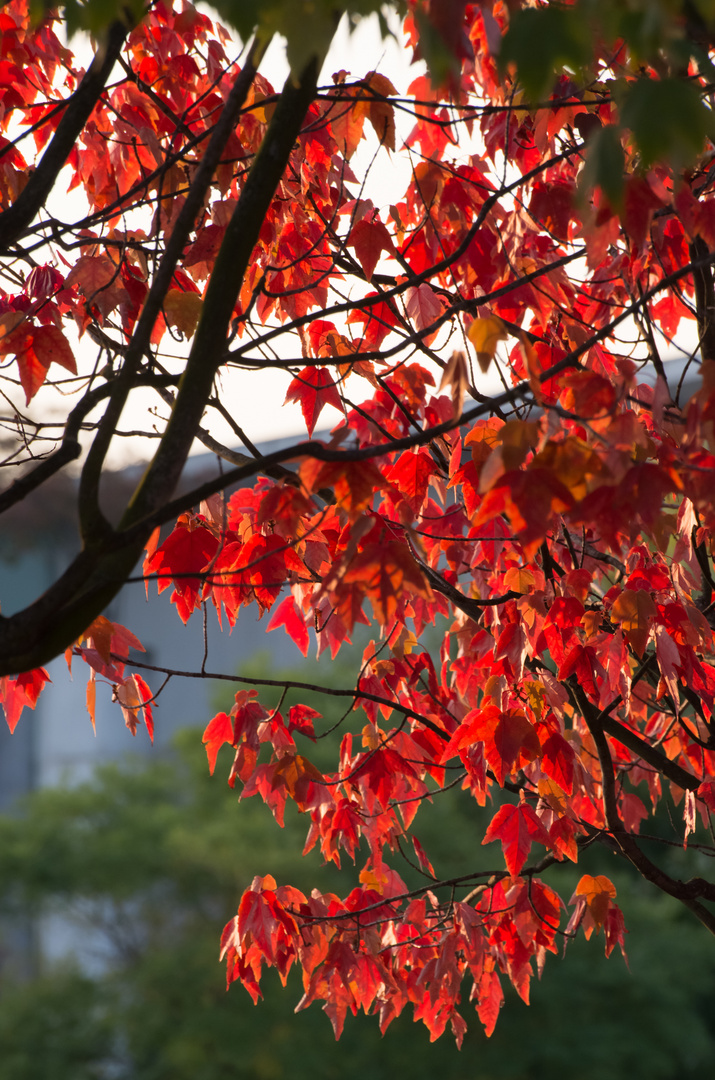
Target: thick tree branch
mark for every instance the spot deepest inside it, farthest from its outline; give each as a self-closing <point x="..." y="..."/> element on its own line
<point x="42" y="630"/>
<point x="92" y="521"/>
<point x="689" y="892"/>
<point x="207" y="350"/>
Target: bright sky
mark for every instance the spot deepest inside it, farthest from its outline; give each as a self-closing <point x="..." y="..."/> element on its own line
<point x="256" y="398"/>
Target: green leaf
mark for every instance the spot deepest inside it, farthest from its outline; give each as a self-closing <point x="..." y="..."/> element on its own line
<point x="604" y="166"/>
<point x="543" y="42"/>
<point x="441" y="63"/>
<point x="668" y="120"/>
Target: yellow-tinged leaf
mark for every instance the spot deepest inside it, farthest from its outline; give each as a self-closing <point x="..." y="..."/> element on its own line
<point x="482" y="439"/>
<point x="100" y="632"/>
<point x="456" y="375"/>
<point x="9" y="322"/>
<point x="485" y="334"/>
<point x="598" y="891"/>
<point x="517" y="437"/>
<point x="182" y="310"/>
<point x="515" y="440"/>
<point x="494" y="688"/>
<point x="519" y="114"/>
<point x="371" y="880"/>
<point x="371" y="736"/>
<point x="533" y="368"/>
<point x="403" y="644"/>
<point x="634" y="610"/>
<point x="552" y="794"/>
<point x="536" y="694"/>
<point x="380" y="84"/>
<point x="429" y="179"/>
<point x="128" y="695"/>
<point x="381" y="114"/>
<point x="519" y="579"/>
<point x="573" y="462"/>
<point x="591" y="622"/>
<point x="263" y="113"/>
<point x="297" y="774"/>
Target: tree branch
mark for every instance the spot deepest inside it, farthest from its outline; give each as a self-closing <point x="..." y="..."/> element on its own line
<point x="76" y="114"/>
<point x="232" y="260"/>
<point x="688" y="892"/>
<point x="704" y="296"/>
<point x="92" y="521"/>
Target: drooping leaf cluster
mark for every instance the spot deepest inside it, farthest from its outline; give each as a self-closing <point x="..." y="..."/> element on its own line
<point x="533" y="561"/>
<point x="141" y="861"/>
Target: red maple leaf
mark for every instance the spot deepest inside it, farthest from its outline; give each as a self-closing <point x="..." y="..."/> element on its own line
<point x="517" y="827"/>
<point x="314" y="388"/>
<point x="186" y="552"/>
<point x="22" y="691"/>
<point x="288" y="615"/>
<point x="531" y="560"/>
<point x="369" y="239"/>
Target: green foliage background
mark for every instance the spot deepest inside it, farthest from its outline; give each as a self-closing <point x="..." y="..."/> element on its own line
<point x="149" y="859"/>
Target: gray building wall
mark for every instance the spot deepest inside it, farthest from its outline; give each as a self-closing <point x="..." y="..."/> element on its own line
<point x="55" y="742"/>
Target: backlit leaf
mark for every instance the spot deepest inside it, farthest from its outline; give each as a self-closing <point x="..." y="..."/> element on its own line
<point x="635" y="612"/>
<point x="485" y="334"/>
<point x="313" y="389"/>
<point x="517" y="827"/>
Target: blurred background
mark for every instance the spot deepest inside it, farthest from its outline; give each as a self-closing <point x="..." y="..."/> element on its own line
<point x="114" y="891"/>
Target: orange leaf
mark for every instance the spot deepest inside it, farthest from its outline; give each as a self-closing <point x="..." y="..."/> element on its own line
<point x="133" y="695"/>
<point x="183" y="310"/>
<point x="100" y="632"/>
<point x="456" y="375"/>
<point x="92" y="273"/>
<point x="15" y="332"/>
<point x="92" y="699"/>
<point x="354" y="482"/>
<point x="485" y="334"/>
<point x="50" y="346"/>
<point x="598" y="892"/>
<point x="381" y="114"/>
<point x="634" y="611"/>
<point x="297" y="775"/>
<point x="385" y="571"/>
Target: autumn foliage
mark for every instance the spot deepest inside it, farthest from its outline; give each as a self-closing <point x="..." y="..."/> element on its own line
<point x="533" y="561"/>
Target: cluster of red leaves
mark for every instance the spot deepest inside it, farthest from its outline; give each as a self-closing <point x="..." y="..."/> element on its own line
<point x="513" y="704"/>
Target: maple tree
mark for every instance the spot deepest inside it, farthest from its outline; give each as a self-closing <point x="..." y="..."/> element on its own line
<point x="557" y="535"/>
